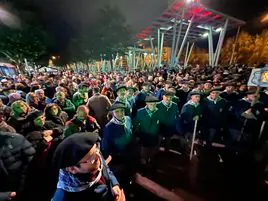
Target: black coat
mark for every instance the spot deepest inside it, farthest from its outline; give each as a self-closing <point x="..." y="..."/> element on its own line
<point x="16" y="153"/>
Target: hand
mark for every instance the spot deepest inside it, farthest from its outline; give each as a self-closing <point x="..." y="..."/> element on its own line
<point x="119" y="194"/>
<point x="47" y="133"/>
<point x="108" y="160"/>
<point x="248" y="111"/>
<point x="12" y="195"/>
<point x="196" y="118"/>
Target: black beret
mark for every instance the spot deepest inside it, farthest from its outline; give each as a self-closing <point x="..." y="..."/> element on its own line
<point x="168" y="93"/>
<point x="117" y="105"/>
<point x="251" y="92"/>
<point x="72" y="149"/>
<point x="151" y="99"/>
<point x="120" y="87"/>
<point x="218" y="89"/>
<point x="194" y="93"/>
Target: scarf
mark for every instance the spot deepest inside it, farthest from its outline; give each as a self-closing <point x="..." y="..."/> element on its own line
<point x="126" y="122"/>
<point x="215" y="101"/>
<point x="168" y="106"/>
<point x="70" y="183"/>
<point x="190" y="102"/>
<point x="150" y="113"/>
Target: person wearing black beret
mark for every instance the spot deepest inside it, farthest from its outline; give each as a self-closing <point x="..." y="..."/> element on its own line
<point x="249" y="114"/>
<point x="83" y="172"/>
<point x="118" y="141"/>
<point x="121" y="92"/>
<point x="191" y="112"/>
<point x="169" y="116"/>
<point x="146" y="127"/>
<point x="140" y="98"/>
<point x="214" y="115"/>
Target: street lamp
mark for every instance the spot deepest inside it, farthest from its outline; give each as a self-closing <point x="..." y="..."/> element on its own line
<point x="8" y="18"/>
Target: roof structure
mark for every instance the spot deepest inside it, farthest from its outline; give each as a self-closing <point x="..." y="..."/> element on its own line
<point x="184" y="11"/>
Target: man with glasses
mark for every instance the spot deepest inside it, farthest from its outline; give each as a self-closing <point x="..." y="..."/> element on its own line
<point x="85" y="175"/>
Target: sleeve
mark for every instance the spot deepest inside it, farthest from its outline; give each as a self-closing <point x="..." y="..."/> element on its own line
<point x="186" y="115"/>
<point x="106" y="142"/>
<point x="110" y="175"/>
<point x="69" y="106"/>
<point x="4" y="196"/>
<point x="68" y="130"/>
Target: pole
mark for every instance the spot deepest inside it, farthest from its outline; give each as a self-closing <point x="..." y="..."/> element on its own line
<point x="161" y="50"/>
<point x="153" y="51"/>
<point x="178" y="39"/>
<point x="262" y="128"/>
<point x="193" y="139"/>
<point x="210" y="47"/>
<point x="184" y="39"/>
<point x="234" y="45"/>
<point x="186" y="54"/>
<point x="189" y="55"/>
<point x="174" y="39"/>
<point x="158" y="44"/>
<point x="220" y="43"/>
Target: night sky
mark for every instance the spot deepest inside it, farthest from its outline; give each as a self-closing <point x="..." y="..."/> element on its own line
<point x="67" y="17"/>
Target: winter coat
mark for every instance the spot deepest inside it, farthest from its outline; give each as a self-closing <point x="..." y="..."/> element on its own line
<point x="16" y="153"/>
<point x="76" y="126"/>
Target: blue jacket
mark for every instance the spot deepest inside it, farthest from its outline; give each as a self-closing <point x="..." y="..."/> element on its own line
<point x="98" y="192"/>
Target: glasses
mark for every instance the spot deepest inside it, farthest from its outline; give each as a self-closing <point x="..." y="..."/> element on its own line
<point x="92" y="159"/>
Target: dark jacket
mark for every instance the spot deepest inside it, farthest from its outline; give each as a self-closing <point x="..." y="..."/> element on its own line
<point x="76" y="126"/>
<point x="16" y="153"/>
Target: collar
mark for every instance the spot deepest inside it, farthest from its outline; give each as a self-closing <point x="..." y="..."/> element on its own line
<point x="150" y="113"/>
<point x="190" y="102"/>
<point x="166" y="105"/>
<point x="215" y="101"/>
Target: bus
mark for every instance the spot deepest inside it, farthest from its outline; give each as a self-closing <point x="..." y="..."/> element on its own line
<point x="7" y="69"/>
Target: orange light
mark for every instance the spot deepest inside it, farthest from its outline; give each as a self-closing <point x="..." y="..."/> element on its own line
<point x="265" y="19"/>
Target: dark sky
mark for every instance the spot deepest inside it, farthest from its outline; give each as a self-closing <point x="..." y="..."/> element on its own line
<point x="65" y="17"/>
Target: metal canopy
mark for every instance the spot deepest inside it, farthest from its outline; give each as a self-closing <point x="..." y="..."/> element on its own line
<point x="204" y="18"/>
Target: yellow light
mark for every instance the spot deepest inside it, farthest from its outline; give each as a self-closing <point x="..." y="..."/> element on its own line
<point x="53" y="57"/>
<point x="265" y="19"/>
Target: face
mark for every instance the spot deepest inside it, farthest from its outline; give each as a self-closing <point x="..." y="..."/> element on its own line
<point x="230" y="88"/>
<point x="119" y="114"/>
<point x="54" y="110"/>
<point x="2" y="116"/>
<point x="252" y="97"/>
<point x="121" y="93"/>
<point x="167" y="99"/>
<point x="151" y="106"/>
<point x="130" y="92"/>
<point x="20" y="110"/>
<point x="195" y="98"/>
<point x="40" y="121"/>
<point x="81" y="115"/>
<point x="1" y="103"/>
<point x="61" y="96"/>
<point x="146" y="88"/>
<point x="35" y="99"/>
<point x="84" y="90"/>
<point x="167" y="86"/>
<point x="207" y="86"/>
<point x="40" y="94"/>
<point x="90" y="163"/>
<point x="243" y="87"/>
<point x="214" y="95"/>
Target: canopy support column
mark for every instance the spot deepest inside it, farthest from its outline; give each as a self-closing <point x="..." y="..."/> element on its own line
<point x="186" y="54"/>
<point x="220" y="43"/>
<point x="184" y="39"/>
<point x="189" y="54"/>
<point x="161" y="50"/>
<point x="234" y="46"/>
<point x="178" y="39"/>
<point x="210" y="47"/>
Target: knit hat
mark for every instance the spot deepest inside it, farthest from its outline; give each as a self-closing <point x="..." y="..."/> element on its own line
<point x="71" y="150"/>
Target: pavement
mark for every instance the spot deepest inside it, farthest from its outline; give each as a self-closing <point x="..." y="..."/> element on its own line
<point x="212" y="175"/>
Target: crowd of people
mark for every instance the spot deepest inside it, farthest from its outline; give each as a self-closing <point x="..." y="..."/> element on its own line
<point x="70" y="136"/>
